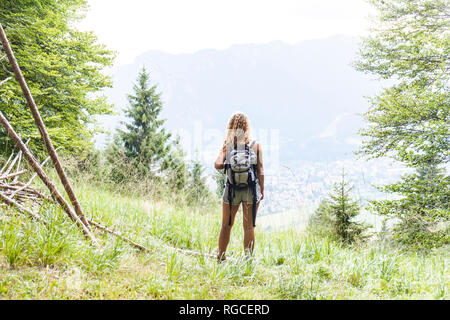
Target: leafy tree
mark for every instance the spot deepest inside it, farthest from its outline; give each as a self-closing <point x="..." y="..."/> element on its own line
<point x="62" y="67"/>
<point x="409" y="121"/>
<point x="145" y="141"/>
<point x="344" y="210"/>
<point x="409" y="41"/>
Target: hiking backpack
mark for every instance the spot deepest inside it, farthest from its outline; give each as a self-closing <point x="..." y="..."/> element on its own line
<point x="240" y="169"/>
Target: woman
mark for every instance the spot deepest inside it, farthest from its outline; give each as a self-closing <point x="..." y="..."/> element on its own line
<point x="238" y="138"/>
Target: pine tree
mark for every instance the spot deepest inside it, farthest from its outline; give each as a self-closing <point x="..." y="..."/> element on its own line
<point x="422" y="210"/>
<point x="145" y="141"/>
<point x="344" y="210"/>
<point x="322" y="221"/>
<point x="174" y="165"/>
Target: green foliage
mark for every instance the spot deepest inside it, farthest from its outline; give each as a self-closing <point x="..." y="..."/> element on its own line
<point x="220" y="178"/>
<point x="345" y="210"/>
<point x="409" y="41"/>
<point x="146" y="155"/>
<point x="12" y="242"/>
<point x="410" y="124"/>
<point x="145" y="142"/>
<point x="145" y="151"/>
<point x="422" y="211"/>
<point x="175" y="167"/>
<point x="62" y="67"/>
<point x="335" y="216"/>
<point x="410" y="44"/>
<point x="198" y="190"/>
<point x="98" y="261"/>
<point x="286" y="264"/>
<point x="322" y="221"/>
<point x="410" y="120"/>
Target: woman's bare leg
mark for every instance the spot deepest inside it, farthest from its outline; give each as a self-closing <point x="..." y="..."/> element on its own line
<point x="249" y="230"/>
<point x="224" y="237"/>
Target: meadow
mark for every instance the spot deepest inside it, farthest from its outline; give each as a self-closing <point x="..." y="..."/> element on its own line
<point x="55" y="261"/>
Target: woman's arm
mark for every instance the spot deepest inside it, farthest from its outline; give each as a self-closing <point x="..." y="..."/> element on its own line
<point x="260" y="169"/>
<point x="219" y="164"/>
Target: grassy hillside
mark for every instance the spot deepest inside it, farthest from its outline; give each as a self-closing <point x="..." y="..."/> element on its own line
<point x="38" y="262"/>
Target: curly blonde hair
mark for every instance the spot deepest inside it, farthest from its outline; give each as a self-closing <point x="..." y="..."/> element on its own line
<point x="238" y="130"/>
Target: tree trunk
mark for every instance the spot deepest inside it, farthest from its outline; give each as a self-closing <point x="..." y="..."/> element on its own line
<point x="54" y="192"/>
<point x="41" y="126"/>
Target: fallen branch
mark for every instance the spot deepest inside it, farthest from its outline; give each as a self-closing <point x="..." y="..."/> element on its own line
<point x="32" y="177"/>
<point x="53" y="191"/>
<point x="191" y="252"/>
<point x="31" y="190"/>
<point x="18" y="165"/>
<point x="11" y="165"/>
<point x="6" y="163"/>
<point x="21" y="208"/>
<point x="12" y="175"/>
<point x="19" y="189"/>
<point x="141" y="247"/>
<point x="41" y="126"/>
<point x="117" y="234"/>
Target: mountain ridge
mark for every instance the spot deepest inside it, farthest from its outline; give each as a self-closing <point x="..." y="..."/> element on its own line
<point x="299" y="90"/>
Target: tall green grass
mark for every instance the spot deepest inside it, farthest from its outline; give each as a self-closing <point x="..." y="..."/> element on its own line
<point x="55" y="261"/>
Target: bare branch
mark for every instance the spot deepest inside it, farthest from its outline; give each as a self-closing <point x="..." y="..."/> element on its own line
<point x="4" y="81"/>
<point x="13" y="175"/>
<point x="9" y="201"/>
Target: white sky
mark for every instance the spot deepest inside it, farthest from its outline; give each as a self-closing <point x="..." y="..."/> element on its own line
<point x="132" y="27"/>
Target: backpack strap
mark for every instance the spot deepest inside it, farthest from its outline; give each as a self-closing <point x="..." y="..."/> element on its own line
<point x="254" y="204"/>
<point x="230" y="199"/>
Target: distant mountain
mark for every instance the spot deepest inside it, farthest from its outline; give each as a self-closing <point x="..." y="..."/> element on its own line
<point x="307" y="91"/>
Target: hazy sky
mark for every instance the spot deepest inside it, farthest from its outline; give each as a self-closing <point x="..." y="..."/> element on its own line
<point x="132" y="27"/>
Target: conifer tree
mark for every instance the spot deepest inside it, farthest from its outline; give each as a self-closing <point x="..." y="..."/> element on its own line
<point x="197" y="188"/>
<point x="174" y="165"/>
<point x="345" y="209"/>
<point x="423" y="208"/>
<point x="322" y="221"/>
<point x="145" y="141"/>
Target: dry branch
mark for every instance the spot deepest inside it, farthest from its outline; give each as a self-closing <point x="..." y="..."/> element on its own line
<point x="41" y="126"/>
<point x="12" y="202"/>
<point x="7" y="162"/>
<point x="23" y="192"/>
<point x="54" y="192"/>
<point x="117" y="234"/>
<point x="13" y="175"/>
<point x="19" y="190"/>
<point x="11" y="165"/>
<point x="4" y="81"/>
<point x="18" y="166"/>
<point x="24" y="186"/>
<point x="191" y="252"/>
<point x="141" y="247"/>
